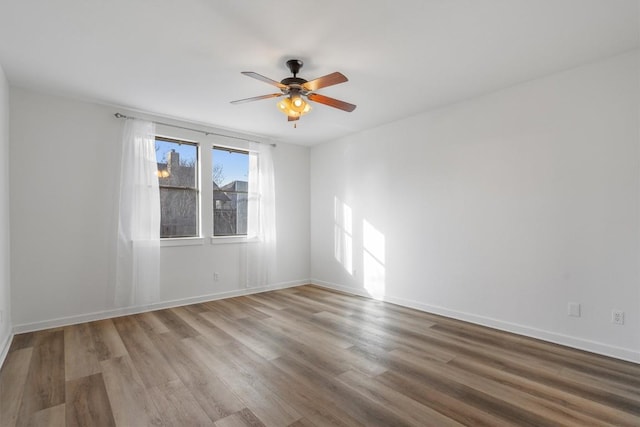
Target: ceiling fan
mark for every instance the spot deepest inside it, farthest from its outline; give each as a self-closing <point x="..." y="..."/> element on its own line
<point x="295" y="89"/>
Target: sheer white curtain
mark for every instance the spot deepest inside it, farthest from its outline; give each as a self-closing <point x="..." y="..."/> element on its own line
<point x="138" y="247"/>
<point x="260" y="250"/>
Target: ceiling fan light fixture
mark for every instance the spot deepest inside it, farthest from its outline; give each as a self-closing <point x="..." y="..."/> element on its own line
<point x="294" y="106"/>
<point x="300" y="106"/>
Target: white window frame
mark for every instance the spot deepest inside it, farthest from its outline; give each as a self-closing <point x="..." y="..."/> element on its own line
<point x="205" y="203"/>
<point x="197" y="182"/>
<point x="234" y="238"/>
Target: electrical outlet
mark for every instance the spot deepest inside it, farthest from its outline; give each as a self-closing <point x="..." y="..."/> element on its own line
<point x="216" y="276"/>
<point x="617" y="317"/>
<point x="574" y="309"/>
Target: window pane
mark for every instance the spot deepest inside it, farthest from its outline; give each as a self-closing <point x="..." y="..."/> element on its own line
<point x="179" y="210"/>
<point x="177" y="163"/>
<point x="230" y="186"/>
<point x="178" y="180"/>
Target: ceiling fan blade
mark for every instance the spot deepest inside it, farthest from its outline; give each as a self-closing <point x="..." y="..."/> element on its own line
<point x="292" y="119"/>
<point x="331" y="102"/>
<point x="324" y="81"/>
<point x="264" y="79"/>
<point x="256" y="98"/>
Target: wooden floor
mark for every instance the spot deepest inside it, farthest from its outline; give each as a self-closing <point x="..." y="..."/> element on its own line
<point x="306" y="357"/>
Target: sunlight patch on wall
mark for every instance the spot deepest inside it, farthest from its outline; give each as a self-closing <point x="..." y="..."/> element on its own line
<point x="343" y="235"/>
<point x="373" y="243"/>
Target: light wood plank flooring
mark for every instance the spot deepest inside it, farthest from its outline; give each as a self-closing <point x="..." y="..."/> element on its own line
<point x="306" y="357"/>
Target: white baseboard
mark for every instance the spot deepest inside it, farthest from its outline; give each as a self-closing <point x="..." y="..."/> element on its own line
<point x="556" y="338"/>
<point x="107" y="314"/>
<point x="4" y="348"/>
<point x="569" y="341"/>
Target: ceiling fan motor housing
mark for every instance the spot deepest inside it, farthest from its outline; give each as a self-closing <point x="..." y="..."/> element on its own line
<point x="294" y="82"/>
<point x="294" y="65"/>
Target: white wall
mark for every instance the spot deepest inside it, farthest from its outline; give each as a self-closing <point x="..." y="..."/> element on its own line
<point x="64" y="176"/>
<point x="5" y="293"/>
<point x="499" y="210"/>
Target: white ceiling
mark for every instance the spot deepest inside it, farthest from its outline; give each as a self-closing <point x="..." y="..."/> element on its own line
<point x="183" y="59"/>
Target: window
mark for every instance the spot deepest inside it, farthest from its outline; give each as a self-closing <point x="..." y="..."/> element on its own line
<point x="178" y="181"/>
<point x="230" y="176"/>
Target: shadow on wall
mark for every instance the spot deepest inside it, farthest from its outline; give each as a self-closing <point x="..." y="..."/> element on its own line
<point x="373" y="250"/>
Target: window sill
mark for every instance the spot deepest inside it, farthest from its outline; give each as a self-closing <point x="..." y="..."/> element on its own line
<point x="182" y="241"/>
<point x="225" y="240"/>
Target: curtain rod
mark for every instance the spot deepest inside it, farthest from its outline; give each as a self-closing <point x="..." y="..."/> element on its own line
<point x="122" y="116"/>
